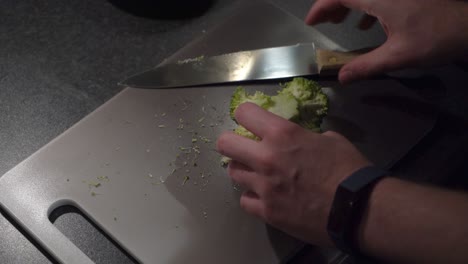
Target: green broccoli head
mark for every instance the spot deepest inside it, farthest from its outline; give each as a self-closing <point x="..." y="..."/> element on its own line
<point x="284" y="105"/>
<point x="240" y="96"/>
<point x="242" y="131"/>
<point x="301" y="101"/>
<point x="317" y="107"/>
<point x="302" y="89"/>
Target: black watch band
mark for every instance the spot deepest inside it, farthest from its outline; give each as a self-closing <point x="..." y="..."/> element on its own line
<point x="351" y="198"/>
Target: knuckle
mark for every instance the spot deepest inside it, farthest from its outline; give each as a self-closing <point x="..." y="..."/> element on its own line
<point x="275" y="132"/>
<point x="283" y="130"/>
<point x="271" y="214"/>
<point x="244" y="205"/>
<point x="267" y="162"/>
<point x="274" y="185"/>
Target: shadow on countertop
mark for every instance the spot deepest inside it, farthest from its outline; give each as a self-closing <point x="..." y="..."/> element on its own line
<point x="164" y="9"/>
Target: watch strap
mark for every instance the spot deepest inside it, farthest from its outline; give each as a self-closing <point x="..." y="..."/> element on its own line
<point x="350" y="200"/>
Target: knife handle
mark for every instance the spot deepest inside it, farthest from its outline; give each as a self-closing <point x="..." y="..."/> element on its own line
<point x="329" y="62"/>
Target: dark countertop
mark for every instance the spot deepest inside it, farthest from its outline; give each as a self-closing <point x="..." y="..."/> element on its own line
<point x="60" y="60"/>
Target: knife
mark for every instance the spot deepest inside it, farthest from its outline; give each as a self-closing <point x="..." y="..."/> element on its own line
<point x="261" y="64"/>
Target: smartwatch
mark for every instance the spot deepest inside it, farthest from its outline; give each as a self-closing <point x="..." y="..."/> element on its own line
<point x="348" y="205"/>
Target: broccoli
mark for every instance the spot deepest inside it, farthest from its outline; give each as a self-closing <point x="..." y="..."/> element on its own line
<point x="242" y="131"/>
<point x="285" y="105"/>
<point x="240" y="96"/>
<point x="300" y="100"/>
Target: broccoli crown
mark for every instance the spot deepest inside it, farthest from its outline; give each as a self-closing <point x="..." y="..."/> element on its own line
<point x="242" y="131"/>
<point x="301" y="101"/>
<point x="284" y="105"/>
<point x="240" y="96"/>
<point x="301" y="88"/>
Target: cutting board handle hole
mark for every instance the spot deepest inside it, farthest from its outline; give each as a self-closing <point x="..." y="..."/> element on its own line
<point x="11" y="220"/>
<point x="82" y="231"/>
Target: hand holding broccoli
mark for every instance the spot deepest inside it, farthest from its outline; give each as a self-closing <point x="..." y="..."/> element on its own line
<point x="300" y="100"/>
<point x="420" y="33"/>
<point x="291" y="174"/>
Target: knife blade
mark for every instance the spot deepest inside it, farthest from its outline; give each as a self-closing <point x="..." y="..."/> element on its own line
<point x="302" y="59"/>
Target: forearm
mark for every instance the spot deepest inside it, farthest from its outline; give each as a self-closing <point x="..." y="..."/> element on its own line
<point x="410" y="223"/>
<point x="459" y="32"/>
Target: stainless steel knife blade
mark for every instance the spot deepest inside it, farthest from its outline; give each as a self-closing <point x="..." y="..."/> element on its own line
<point x="262" y="64"/>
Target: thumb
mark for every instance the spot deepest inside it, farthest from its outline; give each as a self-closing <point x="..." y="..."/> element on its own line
<point x="377" y="61"/>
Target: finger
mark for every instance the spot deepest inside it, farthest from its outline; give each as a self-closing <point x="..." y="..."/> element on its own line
<point x="258" y="120"/>
<point x="252" y="204"/>
<point x="244" y="176"/>
<point x="367" y="22"/>
<point x="380" y="60"/>
<point x="333" y="134"/>
<point x="238" y="148"/>
<point x="367" y="6"/>
<point x="326" y="10"/>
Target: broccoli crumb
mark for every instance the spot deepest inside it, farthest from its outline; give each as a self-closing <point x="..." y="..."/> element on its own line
<point x="196" y="149"/>
<point x="94" y="184"/>
<point x="103" y="178"/>
<point x="186" y="179"/>
<point x="162" y="180"/>
<point x="205" y="139"/>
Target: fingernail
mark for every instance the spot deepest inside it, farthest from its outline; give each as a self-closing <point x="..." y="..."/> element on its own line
<point x="346" y="77"/>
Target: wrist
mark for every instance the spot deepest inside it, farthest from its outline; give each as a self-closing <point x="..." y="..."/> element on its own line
<point x="464" y="34"/>
<point x="350" y="200"/>
<point x="459" y="40"/>
<point x="372" y="220"/>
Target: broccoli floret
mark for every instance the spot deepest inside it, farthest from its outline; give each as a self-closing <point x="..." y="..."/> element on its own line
<point x="302" y="89"/>
<point x="315" y="108"/>
<point x="240" y="96"/>
<point x="241" y="131"/>
<point x="284" y="105"/>
<point x="301" y="101"/>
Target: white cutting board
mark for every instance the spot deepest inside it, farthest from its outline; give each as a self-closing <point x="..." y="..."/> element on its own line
<point x="131" y="145"/>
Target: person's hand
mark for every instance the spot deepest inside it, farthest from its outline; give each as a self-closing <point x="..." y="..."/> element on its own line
<point x="419" y="32"/>
<point x="290" y="176"/>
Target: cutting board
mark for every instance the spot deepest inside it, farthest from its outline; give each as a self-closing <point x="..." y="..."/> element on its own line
<point x="144" y="168"/>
